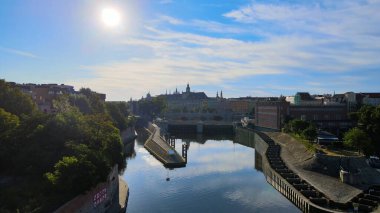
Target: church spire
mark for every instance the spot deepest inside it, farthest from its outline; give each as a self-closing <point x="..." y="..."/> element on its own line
<point x="217" y="94"/>
<point x="187" y="88"/>
<point x="221" y="93"/>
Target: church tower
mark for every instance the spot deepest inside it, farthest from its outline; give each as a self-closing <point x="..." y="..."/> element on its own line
<point x="221" y="94"/>
<point x="187" y="88"/>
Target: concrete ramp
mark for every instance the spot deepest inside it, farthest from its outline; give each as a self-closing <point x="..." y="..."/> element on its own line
<point x="158" y="147"/>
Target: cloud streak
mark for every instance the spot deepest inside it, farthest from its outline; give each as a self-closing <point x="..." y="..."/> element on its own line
<point x="18" y="52"/>
<point x="306" y="39"/>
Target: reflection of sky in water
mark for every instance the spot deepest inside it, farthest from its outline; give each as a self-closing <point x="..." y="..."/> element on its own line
<point x="219" y="177"/>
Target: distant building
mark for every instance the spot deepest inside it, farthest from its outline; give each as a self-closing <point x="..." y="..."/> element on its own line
<point x="186" y="100"/>
<point x="271" y="114"/>
<point x="44" y="94"/>
<point x="369" y="98"/>
<point x="331" y="117"/>
<point x="326" y="114"/>
<point x="304" y="98"/>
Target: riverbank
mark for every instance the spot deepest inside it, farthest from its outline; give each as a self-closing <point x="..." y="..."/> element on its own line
<point x="109" y="196"/>
<point x="303" y="162"/>
<point x="295" y="185"/>
<point x="121" y="197"/>
<point x="296" y="156"/>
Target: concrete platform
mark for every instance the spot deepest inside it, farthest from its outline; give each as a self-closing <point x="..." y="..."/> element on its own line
<point x="157" y="146"/>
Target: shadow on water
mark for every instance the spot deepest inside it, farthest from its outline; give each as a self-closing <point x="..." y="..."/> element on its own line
<point x="202" y="138"/>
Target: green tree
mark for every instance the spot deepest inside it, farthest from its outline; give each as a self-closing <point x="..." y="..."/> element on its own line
<point x="368" y="118"/>
<point x="297" y="125"/>
<point x="8" y="122"/>
<point x="14" y="101"/>
<point x="81" y="102"/>
<point x="358" y="139"/>
<point x="97" y="105"/>
<point x="119" y="114"/>
<point x="72" y="175"/>
<point x="310" y="133"/>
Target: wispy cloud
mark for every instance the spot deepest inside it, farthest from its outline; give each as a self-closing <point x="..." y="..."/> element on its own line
<point x="170" y="20"/>
<point x="305" y="40"/>
<point x="18" y="52"/>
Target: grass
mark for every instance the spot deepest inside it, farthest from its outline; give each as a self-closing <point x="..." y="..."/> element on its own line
<point x="328" y="150"/>
<point x="309" y="146"/>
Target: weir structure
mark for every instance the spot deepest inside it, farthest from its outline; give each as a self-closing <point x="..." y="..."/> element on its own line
<point x="164" y="149"/>
<point x="301" y="193"/>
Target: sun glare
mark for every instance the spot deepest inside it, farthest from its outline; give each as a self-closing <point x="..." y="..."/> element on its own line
<point x="111" y="17"/>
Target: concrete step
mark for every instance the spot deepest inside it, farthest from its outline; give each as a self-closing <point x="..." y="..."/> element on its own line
<point x="275" y="167"/>
<point x="294" y="180"/>
<point x="375" y="193"/>
<point x="365" y="208"/>
<point x="301" y="186"/>
<point x="367" y="202"/>
<point x="309" y="193"/>
<point x="319" y="201"/>
<point x="371" y="197"/>
<point x="284" y="171"/>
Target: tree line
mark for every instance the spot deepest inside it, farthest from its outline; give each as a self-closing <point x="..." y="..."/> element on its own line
<point x="63" y="153"/>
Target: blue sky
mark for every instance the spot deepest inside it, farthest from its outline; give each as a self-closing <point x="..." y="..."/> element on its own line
<point x="243" y="47"/>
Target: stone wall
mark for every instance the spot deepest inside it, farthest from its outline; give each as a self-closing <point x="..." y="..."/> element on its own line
<point x="128" y="134"/>
<point x="97" y="200"/>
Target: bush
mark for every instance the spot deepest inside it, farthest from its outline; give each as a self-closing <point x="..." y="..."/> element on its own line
<point x="358" y="139"/>
<point x="72" y="175"/>
<point x="310" y="133"/>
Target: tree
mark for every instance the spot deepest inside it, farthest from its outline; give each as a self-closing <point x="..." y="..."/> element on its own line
<point x="297" y="126"/>
<point x="119" y="114"/>
<point x="358" y="139"/>
<point x="8" y="122"/>
<point x="97" y="105"/>
<point x="310" y="133"/>
<point x="368" y="118"/>
<point x="81" y="102"/>
<point x="14" y="101"/>
<point x="72" y="175"/>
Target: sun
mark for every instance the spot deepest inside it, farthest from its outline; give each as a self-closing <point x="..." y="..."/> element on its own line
<point x="111" y="17"/>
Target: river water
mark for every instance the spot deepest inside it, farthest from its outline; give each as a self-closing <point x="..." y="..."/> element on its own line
<point x="220" y="176"/>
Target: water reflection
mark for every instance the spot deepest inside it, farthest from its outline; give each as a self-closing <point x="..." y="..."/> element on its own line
<point x="221" y="176"/>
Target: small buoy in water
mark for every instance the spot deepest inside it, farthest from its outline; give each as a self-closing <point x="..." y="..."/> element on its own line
<point x="167" y="179"/>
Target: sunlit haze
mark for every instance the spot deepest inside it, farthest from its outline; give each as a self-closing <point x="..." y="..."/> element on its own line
<point x="111" y="17"/>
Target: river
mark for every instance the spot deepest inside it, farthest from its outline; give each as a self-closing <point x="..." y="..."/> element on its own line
<point x="220" y="176"/>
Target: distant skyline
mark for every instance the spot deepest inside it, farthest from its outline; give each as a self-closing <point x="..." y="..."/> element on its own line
<point x="243" y="47"/>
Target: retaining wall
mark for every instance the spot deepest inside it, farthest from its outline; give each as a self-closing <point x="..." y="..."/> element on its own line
<point x="97" y="200"/>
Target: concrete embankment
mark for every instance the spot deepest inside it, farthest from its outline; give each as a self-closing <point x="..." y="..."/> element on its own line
<point x="297" y="185"/>
<point x="323" y="171"/>
<point x="128" y="135"/>
<point x="109" y="196"/>
<point x="156" y="145"/>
